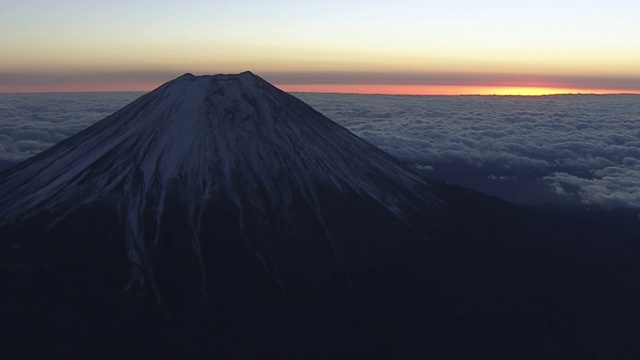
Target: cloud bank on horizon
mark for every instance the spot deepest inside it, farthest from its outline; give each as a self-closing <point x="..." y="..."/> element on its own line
<point x="567" y="149"/>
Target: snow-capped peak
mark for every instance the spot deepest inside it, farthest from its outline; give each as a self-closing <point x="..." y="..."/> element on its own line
<point x="204" y="138"/>
<point x="209" y="133"/>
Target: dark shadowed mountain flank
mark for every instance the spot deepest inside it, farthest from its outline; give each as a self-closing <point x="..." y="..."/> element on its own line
<point x="218" y="216"/>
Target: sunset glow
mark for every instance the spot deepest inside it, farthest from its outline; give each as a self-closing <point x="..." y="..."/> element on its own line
<point x="391" y="89"/>
<point x="402" y="47"/>
<point x="536" y="91"/>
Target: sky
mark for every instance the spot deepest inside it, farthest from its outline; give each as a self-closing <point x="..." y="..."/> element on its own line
<point x="402" y="46"/>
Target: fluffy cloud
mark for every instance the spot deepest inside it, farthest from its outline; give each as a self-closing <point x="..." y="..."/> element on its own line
<point x="31" y="123"/>
<point x="611" y="187"/>
<point x="590" y="144"/>
<point x="580" y="149"/>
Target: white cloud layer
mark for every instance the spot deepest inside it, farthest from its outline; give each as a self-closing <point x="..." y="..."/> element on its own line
<point x="30" y="123"/>
<point x="584" y="148"/>
<point x="611" y="187"/>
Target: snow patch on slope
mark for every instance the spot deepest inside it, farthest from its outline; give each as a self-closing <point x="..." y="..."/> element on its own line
<point x="232" y="136"/>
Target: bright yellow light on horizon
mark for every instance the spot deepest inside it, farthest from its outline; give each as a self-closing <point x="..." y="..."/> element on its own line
<point x="538" y="91"/>
<point x="399" y="89"/>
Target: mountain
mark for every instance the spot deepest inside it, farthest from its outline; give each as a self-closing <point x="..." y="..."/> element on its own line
<point x="203" y="141"/>
<point x="220" y="216"/>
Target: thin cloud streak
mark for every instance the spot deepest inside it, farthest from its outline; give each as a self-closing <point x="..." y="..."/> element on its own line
<point x="320" y="81"/>
<point x="631" y="83"/>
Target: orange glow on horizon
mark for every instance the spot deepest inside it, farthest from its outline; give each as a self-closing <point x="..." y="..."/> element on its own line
<point x="539" y="91"/>
<point x="382" y="89"/>
<point x="400" y="89"/>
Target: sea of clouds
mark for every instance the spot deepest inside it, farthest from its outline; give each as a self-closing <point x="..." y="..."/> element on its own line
<point x="564" y="149"/>
<point x="31" y="123"/>
<point x="569" y="149"/>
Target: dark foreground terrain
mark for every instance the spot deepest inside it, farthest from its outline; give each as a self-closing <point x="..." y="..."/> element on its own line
<point x="509" y="283"/>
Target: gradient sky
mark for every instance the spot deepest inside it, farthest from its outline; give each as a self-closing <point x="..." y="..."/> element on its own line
<point x="399" y="46"/>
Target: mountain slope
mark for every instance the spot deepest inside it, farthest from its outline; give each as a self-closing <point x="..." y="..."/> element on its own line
<point x="219" y="216"/>
<point x="202" y="140"/>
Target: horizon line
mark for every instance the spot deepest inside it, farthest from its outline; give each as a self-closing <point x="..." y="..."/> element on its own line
<point x="349" y="90"/>
<point x="392" y="83"/>
<point x="594" y="93"/>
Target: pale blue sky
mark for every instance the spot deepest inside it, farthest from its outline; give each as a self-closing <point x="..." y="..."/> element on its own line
<point x="561" y="38"/>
